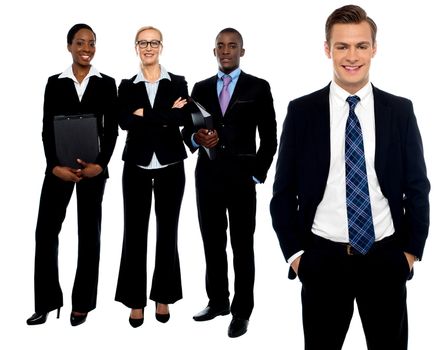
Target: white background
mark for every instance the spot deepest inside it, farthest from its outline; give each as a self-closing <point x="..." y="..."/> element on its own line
<point x="284" y="45"/>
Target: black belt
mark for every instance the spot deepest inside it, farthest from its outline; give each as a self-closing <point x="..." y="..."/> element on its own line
<point x="346" y="248"/>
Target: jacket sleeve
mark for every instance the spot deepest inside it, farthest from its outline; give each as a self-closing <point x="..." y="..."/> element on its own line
<point x="48" y="126"/>
<point x="267" y="128"/>
<point x="110" y="123"/>
<point x="285" y="202"/>
<point x="416" y="190"/>
<point x="130" y="99"/>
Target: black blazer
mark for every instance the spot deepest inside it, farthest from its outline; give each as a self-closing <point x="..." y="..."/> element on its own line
<point x="60" y="97"/>
<point x="250" y="109"/>
<point x="158" y="130"/>
<point x="303" y="166"/>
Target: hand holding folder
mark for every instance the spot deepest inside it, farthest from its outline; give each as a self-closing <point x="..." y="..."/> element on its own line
<point x="76" y="137"/>
<point x="203" y="120"/>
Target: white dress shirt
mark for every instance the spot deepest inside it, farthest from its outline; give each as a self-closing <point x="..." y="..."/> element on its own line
<point x="80" y="87"/>
<point x="331" y="220"/>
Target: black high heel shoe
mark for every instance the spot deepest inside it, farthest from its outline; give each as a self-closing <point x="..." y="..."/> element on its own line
<point x="163" y="318"/>
<point x="76" y="320"/>
<point x="40" y="318"/>
<point x="136" y="322"/>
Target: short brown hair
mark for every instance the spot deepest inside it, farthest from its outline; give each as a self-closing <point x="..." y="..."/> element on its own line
<point x="349" y="14"/>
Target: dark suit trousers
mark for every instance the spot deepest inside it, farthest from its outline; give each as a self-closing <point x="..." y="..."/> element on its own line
<point x="55" y="197"/>
<point x="221" y="187"/>
<point x="167" y="184"/>
<point x="332" y="280"/>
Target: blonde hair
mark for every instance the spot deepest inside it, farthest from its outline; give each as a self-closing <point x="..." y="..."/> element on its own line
<point x="147" y="28"/>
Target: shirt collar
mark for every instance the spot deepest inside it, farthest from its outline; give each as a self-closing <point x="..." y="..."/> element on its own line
<point x="68" y="73"/>
<point x="163" y="75"/>
<point x="340" y="95"/>
<point x="234" y="74"/>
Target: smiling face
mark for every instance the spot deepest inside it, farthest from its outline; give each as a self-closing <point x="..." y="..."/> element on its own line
<point x="149" y="56"/>
<point x="82" y="47"/>
<point x="228" y="51"/>
<point x="351" y="49"/>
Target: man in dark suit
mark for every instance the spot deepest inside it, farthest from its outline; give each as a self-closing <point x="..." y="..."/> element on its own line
<point x="321" y="229"/>
<point x="227" y="183"/>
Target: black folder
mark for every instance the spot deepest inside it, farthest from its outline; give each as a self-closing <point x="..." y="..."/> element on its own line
<point x="203" y="120"/>
<point x="76" y="137"/>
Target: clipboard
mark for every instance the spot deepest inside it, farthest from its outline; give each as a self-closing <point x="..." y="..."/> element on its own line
<point x="203" y="120"/>
<point x="76" y="137"/>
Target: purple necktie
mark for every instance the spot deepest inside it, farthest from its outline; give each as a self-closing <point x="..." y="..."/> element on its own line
<point x="224" y="97"/>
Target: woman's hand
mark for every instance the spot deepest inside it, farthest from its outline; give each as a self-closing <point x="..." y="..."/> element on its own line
<point x="139" y="112"/>
<point x="179" y="103"/>
<point x="89" y="169"/>
<point x="67" y="174"/>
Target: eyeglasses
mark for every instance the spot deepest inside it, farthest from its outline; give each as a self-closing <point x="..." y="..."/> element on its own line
<point x="143" y="44"/>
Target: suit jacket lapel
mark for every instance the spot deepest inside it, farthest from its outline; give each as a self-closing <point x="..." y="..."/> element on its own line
<point x="241" y="86"/>
<point x="141" y="93"/>
<point x="383" y="131"/>
<point x="322" y="137"/>
<point x="241" y="82"/>
<point x="162" y="93"/>
<point x="93" y="80"/>
<point x="213" y="97"/>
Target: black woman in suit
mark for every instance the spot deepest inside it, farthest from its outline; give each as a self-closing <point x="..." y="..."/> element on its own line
<point x="151" y="109"/>
<point x="79" y="89"/>
<point x="227" y="183"/>
<point x="317" y="222"/>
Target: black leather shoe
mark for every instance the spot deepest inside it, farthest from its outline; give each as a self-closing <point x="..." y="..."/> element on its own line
<point x="136" y="322"/>
<point x="163" y="318"/>
<point x="76" y="320"/>
<point x="40" y="318"/>
<point x="237" y="327"/>
<point x="211" y="312"/>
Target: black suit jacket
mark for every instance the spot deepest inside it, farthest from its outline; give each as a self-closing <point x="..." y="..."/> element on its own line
<point x="250" y="109"/>
<point x="303" y="166"/>
<point x="158" y="130"/>
<point x="60" y="98"/>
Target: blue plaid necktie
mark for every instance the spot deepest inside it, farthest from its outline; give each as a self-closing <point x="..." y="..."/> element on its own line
<point x="361" y="227"/>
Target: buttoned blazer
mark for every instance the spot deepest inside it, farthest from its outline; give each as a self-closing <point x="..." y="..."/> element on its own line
<point x="250" y="110"/>
<point x="303" y="166"/>
<point x="61" y="98"/>
<point x="158" y="130"/>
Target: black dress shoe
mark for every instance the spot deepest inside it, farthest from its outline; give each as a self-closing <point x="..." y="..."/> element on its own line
<point x="76" y="320"/>
<point x="237" y="327"/>
<point x="136" y="322"/>
<point x="40" y="318"/>
<point x="211" y="312"/>
<point x="163" y="318"/>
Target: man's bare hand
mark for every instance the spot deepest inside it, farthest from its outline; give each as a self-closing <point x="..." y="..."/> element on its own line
<point x="206" y="138"/>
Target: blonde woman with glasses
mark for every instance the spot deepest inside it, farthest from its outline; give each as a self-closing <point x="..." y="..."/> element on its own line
<point x="151" y="108"/>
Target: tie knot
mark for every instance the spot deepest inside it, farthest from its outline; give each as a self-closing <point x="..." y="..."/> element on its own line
<point x="353" y="100"/>
<point x="226" y="79"/>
